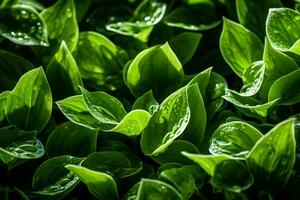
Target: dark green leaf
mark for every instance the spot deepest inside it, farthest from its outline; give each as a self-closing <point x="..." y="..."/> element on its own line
<point x="146" y="102"/>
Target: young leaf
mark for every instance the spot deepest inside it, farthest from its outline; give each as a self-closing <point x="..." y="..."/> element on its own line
<point x="153" y="68"/>
<point x="61" y="24"/>
<point x="146" y="102"/>
<point x="207" y="162"/>
<point x="185" y="45"/>
<point x="239" y="46"/>
<point x="116" y="163"/>
<point x="12" y="67"/>
<point x="272" y="158"/>
<point x="286" y="88"/>
<point x="149" y="188"/>
<point x="99" y="61"/>
<point x="23" y="25"/>
<point x="167" y="124"/>
<point x="29" y="105"/>
<point x="188" y="18"/>
<point x="63" y="69"/>
<point x="253" y="14"/>
<point x="77" y="136"/>
<point x="277" y="63"/>
<point x="203" y="80"/>
<point x="52" y="179"/>
<point x="234" y="139"/>
<point x="283" y="28"/>
<point x="232" y="175"/>
<point x="77" y="112"/>
<point x="101" y="185"/>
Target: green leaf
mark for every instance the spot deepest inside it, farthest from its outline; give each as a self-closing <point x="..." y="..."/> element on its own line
<point x="232" y="175"/>
<point x="277" y="63"/>
<point x="272" y="158"/>
<point x="173" y="153"/>
<point x="52" y="179"/>
<point x="12" y="67"/>
<point x="99" y="61"/>
<point x="239" y="46"/>
<point x="183" y="179"/>
<point x="185" y="45"/>
<point x="167" y="124"/>
<point x="61" y="24"/>
<point x="77" y="112"/>
<point x="115" y="163"/>
<point x="101" y="185"/>
<point x="17" y="144"/>
<point x="104" y="107"/>
<point x="203" y="80"/>
<point x="133" y="123"/>
<point x="235" y="139"/>
<point x="146" y="15"/>
<point x="63" y="69"/>
<point x="253" y="14"/>
<point x="283" y="28"/>
<point x="153" y="68"/>
<point x="3" y="100"/>
<point x="152" y="189"/>
<point x="82" y="8"/>
<point x="146" y="102"/>
<point x="23" y="25"/>
<point x="29" y="105"/>
<point x="207" y="162"/>
<point x="189" y="18"/>
<point x="286" y="88"/>
<point x="76" y="136"/>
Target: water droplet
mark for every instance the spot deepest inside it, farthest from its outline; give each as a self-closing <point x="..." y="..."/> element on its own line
<point x="69" y="13"/>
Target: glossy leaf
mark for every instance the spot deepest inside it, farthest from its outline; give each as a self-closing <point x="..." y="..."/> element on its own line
<point x="146" y="102"/>
<point x="167" y="124"/>
<point x="101" y="185"/>
<point x="253" y="14"/>
<point x="52" y="179"/>
<point x="77" y="112"/>
<point x="272" y="158"/>
<point x="232" y="175"/>
<point x="76" y="136"/>
<point x="286" y="88"/>
<point x="23" y="25"/>
<point x="152" y="68"/>
<point x="12" y="67"/>
<point x="3" y="100"/>
<point x="99" y="61"/>
<point x="239" y="46"/>
<point x="207" y="162"/>
<point x="203" y="80"/>
<point x="234" y="139"/>
<point x="63" y="69"/>
<point x="29" y="105"/>
<point x="152" y="189"/>
<point x="196" y="18"/>
<point x="185" y="45"/>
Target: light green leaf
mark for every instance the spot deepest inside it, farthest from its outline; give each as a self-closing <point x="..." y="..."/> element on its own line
<point x="153" y="68"/>
<point x="146" y="102"/>
<point x="207" y="162"/>
<point x="12" y="67"/>
<point x="234" y="139"/>
<point x="52" y="179"/>
<point x="3" y="100"/>
<point x="76" y="136"/>
<point x="29" y="105"/>
<point x="23" y="25"/>
<point x="101" y="185"/>
<point x="167" y="124"/>
<point x="185" y="45"/>
<point x="202" y="79"/>
<point x="77" y="112"/>
<point x="152" y="189"/>
<point x="286" y="88"/>
<point x="63" y="69"/>
<point x="239" y="46"/>
<point x="272" y="159"/>
<point x="253" y="14"/>
<point x="99" y="61"/>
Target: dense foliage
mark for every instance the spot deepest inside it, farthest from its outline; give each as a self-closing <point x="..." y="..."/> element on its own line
<point x="149" y="99"/>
